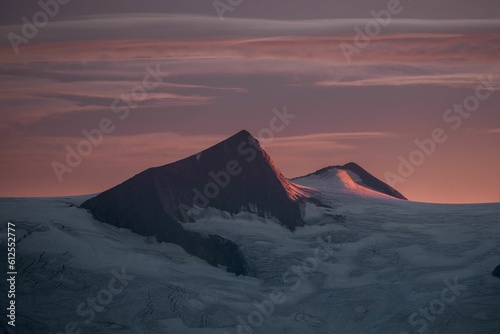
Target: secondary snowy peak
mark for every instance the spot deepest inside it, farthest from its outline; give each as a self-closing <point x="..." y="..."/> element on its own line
<point x="368" y="180"/>
<point x="350" y="178"/>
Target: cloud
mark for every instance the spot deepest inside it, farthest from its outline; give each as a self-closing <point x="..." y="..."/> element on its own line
<point x="451" y="80"/>
<point x="85" y="64"/>
<point x="167" y="146"/>
<point x="397" y="48"/>
<point x="321" y="142"/>
<point x="450" y="60"/>
<point x="170" y="146"/>
<point x="148" y="36"/>
<point x="333" y="136"/>
<point x="183" y="27"/>
<point x="497" y="130"/>
<point x="108" y="49"/>
<point x="35" y="91"/>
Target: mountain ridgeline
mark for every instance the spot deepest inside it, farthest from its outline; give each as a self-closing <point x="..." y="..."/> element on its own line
<point x="235" y="175"/>
<point x="365" y="179"/>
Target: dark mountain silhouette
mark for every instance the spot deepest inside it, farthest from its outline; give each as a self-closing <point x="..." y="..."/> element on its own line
<point x="235" y="175"/>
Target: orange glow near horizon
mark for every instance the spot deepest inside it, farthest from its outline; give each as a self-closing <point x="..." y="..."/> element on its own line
<point x="434" y="182"/>
<point x="172" y="85"/>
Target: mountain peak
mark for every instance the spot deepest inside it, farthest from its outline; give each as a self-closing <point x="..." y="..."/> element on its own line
<point x="234" y="175"/>
<point x="233" y="145"/>
<point x="238" y="137"/>
<point x="351" y="165"/>
<point x="362" y="178"/>
<point x="243" y="176"/>
<point x="370" y="181"/>
<point x="242" y="134"/>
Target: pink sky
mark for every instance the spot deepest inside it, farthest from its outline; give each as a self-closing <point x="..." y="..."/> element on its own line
<point x="227" y="76"/>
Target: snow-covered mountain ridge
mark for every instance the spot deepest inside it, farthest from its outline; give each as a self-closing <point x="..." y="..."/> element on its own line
<point x="356" y="259"/>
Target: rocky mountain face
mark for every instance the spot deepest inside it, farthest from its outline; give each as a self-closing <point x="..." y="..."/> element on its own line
<point x="233" y="176"/>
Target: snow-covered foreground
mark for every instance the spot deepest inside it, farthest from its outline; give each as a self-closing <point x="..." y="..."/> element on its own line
<point x="367" y="264"/>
